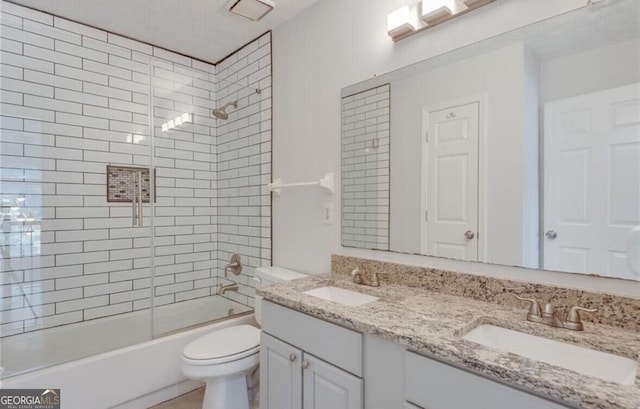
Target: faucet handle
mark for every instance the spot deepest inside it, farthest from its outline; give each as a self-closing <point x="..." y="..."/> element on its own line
<point x="374" y="279"/>
<point x="535" y="313"/>
<point x="357" y="276"/>
<point x="573" y="320"/>
<point x="549" y="309"/>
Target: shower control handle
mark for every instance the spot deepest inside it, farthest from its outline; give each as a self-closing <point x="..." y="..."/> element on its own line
<point x="235" y="266"/>
<point x="292" y="357"/>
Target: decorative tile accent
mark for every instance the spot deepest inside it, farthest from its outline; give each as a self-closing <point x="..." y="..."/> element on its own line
<point x="120" y="183"/>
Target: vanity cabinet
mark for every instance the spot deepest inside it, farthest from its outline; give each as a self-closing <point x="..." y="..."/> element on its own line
<point x="432" y="384"/>
<point x="398" y="378"/>
<point x="280" y="374"/>
<point x="308" y="363"/>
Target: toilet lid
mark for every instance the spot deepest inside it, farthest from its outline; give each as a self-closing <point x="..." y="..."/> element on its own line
<point x="232" y="342"/>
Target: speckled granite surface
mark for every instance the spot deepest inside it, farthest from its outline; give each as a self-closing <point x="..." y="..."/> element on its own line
<point x="616" y="311"/>
<point x="433" y="323"/>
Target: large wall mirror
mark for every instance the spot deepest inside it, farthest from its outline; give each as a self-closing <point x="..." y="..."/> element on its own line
<point x="523" y="149"/>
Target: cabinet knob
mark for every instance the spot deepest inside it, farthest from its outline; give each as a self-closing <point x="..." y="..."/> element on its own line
<point x="469" y="235"/>
<point x="551" y="235"/>
<point x="305" y="364"/>
<point x="292" y="357"/>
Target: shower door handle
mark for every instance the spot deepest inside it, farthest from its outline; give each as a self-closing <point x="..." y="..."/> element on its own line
<point x="134" y="200"/>
<point x="140" y="224"/>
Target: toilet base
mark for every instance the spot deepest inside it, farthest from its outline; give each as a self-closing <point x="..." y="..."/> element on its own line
<point x="226" y="393"/>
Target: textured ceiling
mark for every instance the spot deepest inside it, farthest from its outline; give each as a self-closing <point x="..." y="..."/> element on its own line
<point x="199" y="28"/>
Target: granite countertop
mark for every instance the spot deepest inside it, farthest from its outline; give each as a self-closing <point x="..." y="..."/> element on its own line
<point x="433" y="323"/>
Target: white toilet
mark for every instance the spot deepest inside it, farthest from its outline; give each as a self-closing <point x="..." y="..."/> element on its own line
<point x="227" y="359"/>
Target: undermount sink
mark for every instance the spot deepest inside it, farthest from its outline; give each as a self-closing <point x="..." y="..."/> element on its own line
<point x="602" y="365"/>
<point x="342" y="296"/>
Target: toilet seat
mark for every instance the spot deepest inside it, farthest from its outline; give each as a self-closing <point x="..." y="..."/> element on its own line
<point x="223" y="346"/>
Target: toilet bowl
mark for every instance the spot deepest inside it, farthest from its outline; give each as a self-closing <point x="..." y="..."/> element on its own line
<point x="227" y="360"/>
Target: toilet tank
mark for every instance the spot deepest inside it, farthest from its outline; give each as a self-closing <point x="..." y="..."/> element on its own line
<point x="267" y="276"/>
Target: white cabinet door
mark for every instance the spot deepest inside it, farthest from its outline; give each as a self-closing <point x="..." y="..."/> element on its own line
<point x="451" y="194"/>
<point x="436" y="385"/>
<point x="592" y="180"/>
<point x="327" y="387"/>
<point x="280" y="374"/>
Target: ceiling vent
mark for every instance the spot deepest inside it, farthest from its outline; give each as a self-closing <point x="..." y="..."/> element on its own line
<point x="254" y="10"/>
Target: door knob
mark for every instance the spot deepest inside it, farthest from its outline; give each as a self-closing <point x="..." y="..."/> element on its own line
<point x="292" y="357"/>
<point x="469" y="235"/>
<point x="551" y="234"/>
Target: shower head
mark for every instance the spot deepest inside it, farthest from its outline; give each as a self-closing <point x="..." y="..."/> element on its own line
<point x="221" y="113"/>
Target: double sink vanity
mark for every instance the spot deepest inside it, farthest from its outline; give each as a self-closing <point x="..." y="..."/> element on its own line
<point x="331" y="342"/>
<point x="518" y="150"/>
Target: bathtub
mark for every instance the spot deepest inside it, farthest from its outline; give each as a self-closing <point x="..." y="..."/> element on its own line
<point x="132" y="377"/>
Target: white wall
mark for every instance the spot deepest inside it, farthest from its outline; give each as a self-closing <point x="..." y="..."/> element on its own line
<point x="337" y="43"/>
<point x="590" y="71"/>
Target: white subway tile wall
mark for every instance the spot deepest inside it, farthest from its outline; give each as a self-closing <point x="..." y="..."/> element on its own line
<point x="243" y="164"/>
<point x="75" y="99"/>
<point x="365" y="169"/>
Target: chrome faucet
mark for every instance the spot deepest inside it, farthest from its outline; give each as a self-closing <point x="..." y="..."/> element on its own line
<point x="229" y="287"/>
<point x="550" y="315"/>
<point x="359" y="279"/>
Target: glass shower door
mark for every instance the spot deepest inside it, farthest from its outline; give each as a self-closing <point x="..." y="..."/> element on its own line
<point x="75" y="241"/>
<point x="186" y="255"/>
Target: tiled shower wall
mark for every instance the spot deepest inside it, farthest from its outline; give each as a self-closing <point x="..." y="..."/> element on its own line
<point x="244" y="163"/>
<point x="365" y="169"/>
<point x="75" y="99"/>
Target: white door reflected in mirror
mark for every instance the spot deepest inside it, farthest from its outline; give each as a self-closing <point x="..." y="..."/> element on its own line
<point x="450" y="181"/>
<point x="592" y="180"/>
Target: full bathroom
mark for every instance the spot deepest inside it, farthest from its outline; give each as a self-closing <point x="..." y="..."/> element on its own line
<point x="258" y="204"/>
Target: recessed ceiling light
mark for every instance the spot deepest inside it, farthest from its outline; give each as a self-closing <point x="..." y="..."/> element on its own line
<point x="254" y="10"/>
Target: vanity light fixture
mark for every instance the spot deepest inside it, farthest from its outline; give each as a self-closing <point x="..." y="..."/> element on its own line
<point x="411" y="19"/>
<point x="399" y="23"/>
<point x="254" y="10"/>
<point x="434" y="10"/>
<point x="475" y="3"/>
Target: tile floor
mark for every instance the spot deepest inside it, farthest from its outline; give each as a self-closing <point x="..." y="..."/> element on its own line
<point x="191" y="400"/>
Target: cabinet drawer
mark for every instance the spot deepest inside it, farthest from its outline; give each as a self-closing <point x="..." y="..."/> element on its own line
<point x="340" y="346"/>
<point x="435" y="385"/>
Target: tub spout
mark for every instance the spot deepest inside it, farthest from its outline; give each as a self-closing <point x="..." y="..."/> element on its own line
<point x="229" y="287"/>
